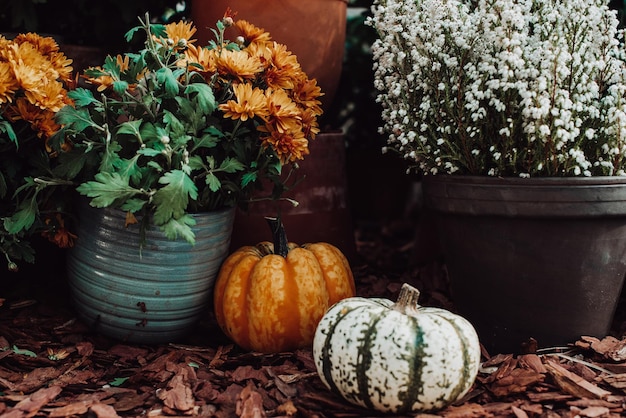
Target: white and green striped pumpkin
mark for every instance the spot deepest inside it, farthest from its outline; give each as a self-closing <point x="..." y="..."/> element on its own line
<point x="396" y="357"/>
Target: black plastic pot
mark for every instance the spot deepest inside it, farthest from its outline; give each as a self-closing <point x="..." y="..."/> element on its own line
<point x="540" y="258"/>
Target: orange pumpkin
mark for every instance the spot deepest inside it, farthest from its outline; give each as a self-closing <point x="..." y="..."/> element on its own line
<point x="271" y="296"/>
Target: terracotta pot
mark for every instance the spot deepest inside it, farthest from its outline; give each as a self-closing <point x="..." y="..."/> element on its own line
<point x="541" y="258"/>
<point x="314" y="30"/>
<point x="323" y="213"/>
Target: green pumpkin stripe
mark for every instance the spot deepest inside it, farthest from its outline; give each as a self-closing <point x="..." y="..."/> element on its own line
<point x="416" y="366"/>
<point x="468" y="374"/>
<point x="325" y="355"/>
<point x="364" y="359"/>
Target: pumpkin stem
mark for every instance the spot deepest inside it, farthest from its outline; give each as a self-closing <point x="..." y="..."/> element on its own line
<point x="279" y="235"/>
<point x="407" y="299"/>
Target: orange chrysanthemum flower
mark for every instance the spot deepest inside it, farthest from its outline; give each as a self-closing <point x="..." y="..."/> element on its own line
<point x="57" y="233"/>
<point x="252" y="34"/>
<point x="306" y="93"/>
<point x="41" y="53"/>
<point x="207" y="58"/>
<point x="45" y="45"/>
<point x="237" y="65"/>
<point x="282" y="68"/>
<point x="310" y="127"/>
<point x="106" y="81"/>
<point x="284" y="114"/>
<point x="289" y="145"/>
<point x="249" y="102"/>
<point x="8" y="83"/>
<point x="179" y="34"/>
<point x="42" y="122"/>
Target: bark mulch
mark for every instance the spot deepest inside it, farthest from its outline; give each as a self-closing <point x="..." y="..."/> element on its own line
<point x="51" y="365"/>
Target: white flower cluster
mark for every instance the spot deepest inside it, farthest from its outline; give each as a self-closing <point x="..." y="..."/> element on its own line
<point x="503" y="87"/>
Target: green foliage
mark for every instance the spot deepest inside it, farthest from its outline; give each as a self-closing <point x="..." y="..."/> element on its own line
<point x="153" y="145"/>
<point x="160" y="133"/>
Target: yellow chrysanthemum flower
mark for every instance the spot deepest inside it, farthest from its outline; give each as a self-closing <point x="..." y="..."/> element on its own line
<point x="250" y="102"/>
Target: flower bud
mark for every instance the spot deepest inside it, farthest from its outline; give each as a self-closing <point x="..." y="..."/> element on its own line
<point x="228" y="21"/>
<point x="165" y="139"/>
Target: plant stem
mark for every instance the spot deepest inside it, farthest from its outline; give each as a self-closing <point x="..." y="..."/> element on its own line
<point x="279" y="236"/>
<point x="407" y="300"/>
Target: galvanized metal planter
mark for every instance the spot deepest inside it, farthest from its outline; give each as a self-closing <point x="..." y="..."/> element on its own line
<point x="150" y="296"/>
<point x="542" y="257"/>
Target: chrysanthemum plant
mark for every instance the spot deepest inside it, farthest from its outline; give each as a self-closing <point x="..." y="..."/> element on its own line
<point x="503" y="87"/>
<point x="178" y="128"/>
<point x="34" y="78"/>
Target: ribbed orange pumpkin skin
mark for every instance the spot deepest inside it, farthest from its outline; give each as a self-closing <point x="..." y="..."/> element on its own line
<point x="268" y="303"/>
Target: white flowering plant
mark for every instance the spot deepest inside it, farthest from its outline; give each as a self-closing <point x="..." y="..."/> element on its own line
<point x="502" y="87"/>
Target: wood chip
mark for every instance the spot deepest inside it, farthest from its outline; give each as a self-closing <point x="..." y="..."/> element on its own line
<point x="574" y="384"/>
<point x="594" y="412"/>
<point x="618" y="381"/>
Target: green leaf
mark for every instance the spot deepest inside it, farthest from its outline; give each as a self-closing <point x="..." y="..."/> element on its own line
<point x="118" y="381"/>
<point x="130" y="128"/>
<point x="110" y="157"/>
<point x="248" y="178"/>
<point x="111" y="67"/>
<point x="128" y="168"/>
<point x="213" y="182"/>
<point x="149" y="152"/>
<point x="180" y="227"/>
<point x="3" y="186"/>
<point x="148" y="130"/>
<point x="82" y="97"/>
<point x="195" y="162"/>
<point x="133" y="205"/>
<point x="158" y="30"/>
<point x="171" y="200"/>
<point x="24" y="218"/>
<point x="120" y="86"/>
<point x="131" y="33"/>
<point x="5" y="126"/>
<point x="207" y="141"/>
<point x="78" y="119"/>
<point x="204" y="97"/>
<point x="28" y="353"/>
<point x="230" y="165"/>
<point x="106" y="189"/>
<point x="177" y="129"/>
<point x="166" y="77"/>
<point x="211" y="160"/>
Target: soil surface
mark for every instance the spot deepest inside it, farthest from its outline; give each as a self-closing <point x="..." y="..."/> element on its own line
<point x="52" y="365"/>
